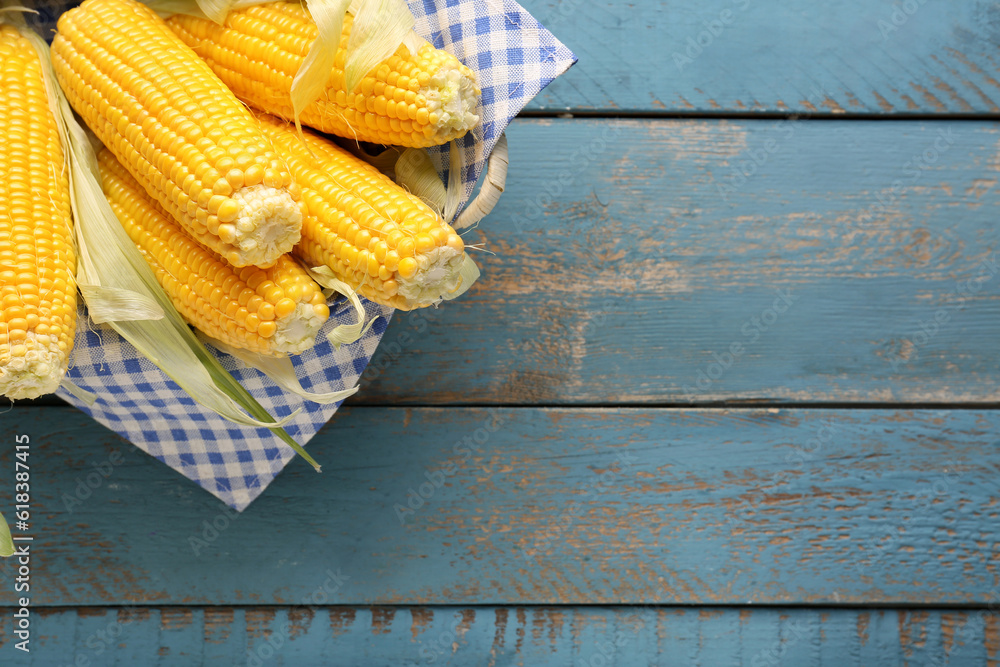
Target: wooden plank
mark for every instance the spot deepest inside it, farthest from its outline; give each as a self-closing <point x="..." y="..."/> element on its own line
<point x="767" y="55"/>
<point x="535" y="506"/>
<point x="649" y="261"/>
<point x="536" y="636"/>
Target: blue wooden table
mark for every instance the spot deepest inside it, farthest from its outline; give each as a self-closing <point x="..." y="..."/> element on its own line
<point x="726" y="393"/>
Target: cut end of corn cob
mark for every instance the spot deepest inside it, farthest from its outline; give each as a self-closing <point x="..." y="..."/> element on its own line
<point x="266" y="224"/>
<point x="33" y="366"/>
<point x="275" y="311"/>
<point x="452" y="99"/>
<point x="297" y="332"/>
<point x="437" y="273"/>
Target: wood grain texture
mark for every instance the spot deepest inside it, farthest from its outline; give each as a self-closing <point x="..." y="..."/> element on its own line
<point x="917" y="56"/>
<point x="532" y="506"/>
<point x="494" y="636"/>
<point x="629" y="260"/>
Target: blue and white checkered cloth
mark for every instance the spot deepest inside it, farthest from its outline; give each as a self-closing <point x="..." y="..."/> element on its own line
<point x="514" y="58"/>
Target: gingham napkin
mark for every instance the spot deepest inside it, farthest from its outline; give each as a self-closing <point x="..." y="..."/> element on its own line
<point x="514" y="58"/>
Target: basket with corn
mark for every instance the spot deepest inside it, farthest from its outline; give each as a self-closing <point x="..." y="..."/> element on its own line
<point x="196" y="170"/>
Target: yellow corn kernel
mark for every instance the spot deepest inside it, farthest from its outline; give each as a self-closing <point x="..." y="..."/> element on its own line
<point x="353" y="215"/>
<point x="259" y="50"/>
<point x="276" y="311"/>
<point x="37" y="260"/>
<point x="176" y="128"/>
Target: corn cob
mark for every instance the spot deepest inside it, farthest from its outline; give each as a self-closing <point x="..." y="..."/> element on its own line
<point x="37" y="259"/>
<point x="178" y="130"/>
<point x="274" y="311"/>
<point x="419" y="100"/>
<point x="375" y="236"/>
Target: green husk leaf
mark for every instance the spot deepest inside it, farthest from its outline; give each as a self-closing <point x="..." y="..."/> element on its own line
<point x="6" y="541"/>
<point x="454" y="181"/>
<point x="80" y="393"/>
<point x="415" y="172"/>
<point x="310" y="81"/>
<point x="109" y="259"/>
<point x="470" y="274"/>
<point x="344" y="334"/>
<point x="282" y="372"/>
<point x="379" y="27"/>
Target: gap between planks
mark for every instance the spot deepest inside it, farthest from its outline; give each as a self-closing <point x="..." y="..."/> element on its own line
<point x="791" y="606"/>
<point x="624" y="114"/>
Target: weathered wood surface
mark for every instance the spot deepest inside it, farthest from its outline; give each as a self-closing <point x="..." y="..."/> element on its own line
<point x="654" y="245"/>
<point x="858" y="56"/>
<point x="532" y="506"/>
<point x="854" y="56"/>
<point x="309" y="636"/>
<point x="652" y="258"/>
<point x="649" y="261"/>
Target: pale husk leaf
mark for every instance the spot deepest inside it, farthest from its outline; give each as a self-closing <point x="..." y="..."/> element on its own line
<point x="310" y="81"/>
<point x="414" y="42"/>
<point x="80" y="393"/>
<point x="215" y="9"/>
<point x="415" y="172"/>
<point x="454" y="197"/>
<point x="111" y="304"/>
<point x="470" y="274"/>
<point x="343" y="334"/>
<point x="379" y="27"/>
<point x="282" y="372"/>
